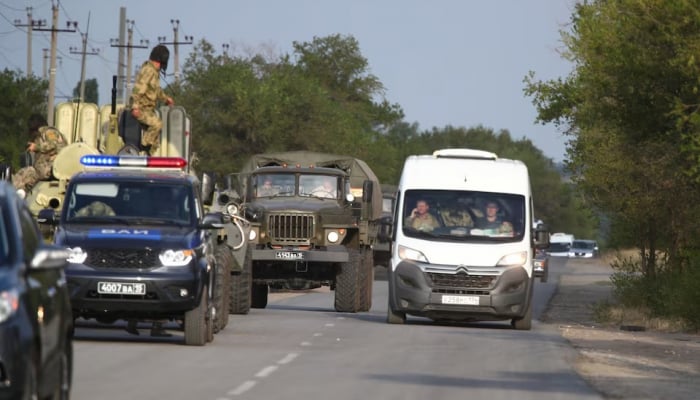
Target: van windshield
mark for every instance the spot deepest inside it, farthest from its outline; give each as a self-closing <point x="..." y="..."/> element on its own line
<point x="460" y="215"/>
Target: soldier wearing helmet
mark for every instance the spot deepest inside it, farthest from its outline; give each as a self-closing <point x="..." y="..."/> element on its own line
<point x="44" y="143"/>
<point x="146" y="93"/>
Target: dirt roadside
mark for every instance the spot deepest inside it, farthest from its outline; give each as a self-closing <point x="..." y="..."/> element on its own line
<point x="618" y="362"/>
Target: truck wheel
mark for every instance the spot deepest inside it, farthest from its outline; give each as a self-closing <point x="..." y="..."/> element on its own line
<point x="222" y="286"/>
<point x="259" y="295"/>
<point x="239" y="302"/>
<point x="366" y="280"/>
<point x="395" y="317"/>
<point x="196" y="323"/>
<point x="524" y="323"/>
<point x="347" y="282"/>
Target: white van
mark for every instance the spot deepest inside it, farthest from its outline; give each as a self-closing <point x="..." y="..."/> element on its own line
<point x="470" y="256"/>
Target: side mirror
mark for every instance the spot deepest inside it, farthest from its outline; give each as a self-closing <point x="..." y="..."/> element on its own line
<point x="47" y="216"/>
<point x="367" y="191"/>
<point x="207" y="189"/>
<point x="212" y="221"/>
<point x="385" y="228"/>
<point x="541" y="236"/>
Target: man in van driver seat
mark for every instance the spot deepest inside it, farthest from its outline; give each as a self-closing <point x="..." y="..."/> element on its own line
<point x="420" y="219"/>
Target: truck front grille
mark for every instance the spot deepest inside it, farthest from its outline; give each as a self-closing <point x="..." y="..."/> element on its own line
<point x="291" y="228"/>
<point x="459" y="282"/>
<point x="112" y="258"/>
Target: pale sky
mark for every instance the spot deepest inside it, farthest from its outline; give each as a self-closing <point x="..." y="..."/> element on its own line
<point x="446" y="62"/>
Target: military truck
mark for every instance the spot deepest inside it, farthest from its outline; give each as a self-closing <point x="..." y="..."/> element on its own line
<point x="314" y="224"/>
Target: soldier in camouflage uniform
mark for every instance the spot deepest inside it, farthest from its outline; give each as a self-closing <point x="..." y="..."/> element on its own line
<point x="146" y="94"/>
<point x="96" y="209"/>
<point x="45" y="142"/>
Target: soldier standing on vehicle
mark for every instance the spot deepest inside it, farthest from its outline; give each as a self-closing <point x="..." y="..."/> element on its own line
<point x="146" y="94"/>
<point x="45" y="142"/>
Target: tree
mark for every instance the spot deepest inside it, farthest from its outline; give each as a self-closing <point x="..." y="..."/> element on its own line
<point x="91" y="91"/>
<point x="21" y="97"/>
<point x="631" y="108"/>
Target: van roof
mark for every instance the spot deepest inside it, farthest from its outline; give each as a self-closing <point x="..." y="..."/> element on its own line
<point x="465" y="169"/>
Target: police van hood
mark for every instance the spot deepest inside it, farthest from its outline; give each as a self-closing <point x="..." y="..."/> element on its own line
<point x="123" y="236"/>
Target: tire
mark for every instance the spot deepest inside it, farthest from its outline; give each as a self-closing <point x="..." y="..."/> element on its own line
<point x="366" y="280"/>
<point x="30" y="389"/>
<point x="222" y="287"/>
<point x="347" y="282"/>
<point x="395" y="317"/>
<point x="196" y="323"/>
<point x="241" y="286"/>
<point x="63" y="384"/>
<point x="525" y="322"/>
<point x="259" y="295"/>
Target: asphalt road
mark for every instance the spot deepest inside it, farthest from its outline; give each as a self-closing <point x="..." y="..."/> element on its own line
<point x="299" y="348"/>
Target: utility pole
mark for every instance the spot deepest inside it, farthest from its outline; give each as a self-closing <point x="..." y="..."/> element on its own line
<point x="175" y="43"/>
<point x="129" y="51"/>
<point x="120" y="62"/>
<point x="31" y="23"/>
<point x="84" y="53"/>
<point x="45" y="63"/>
<point x="52" y="69"/>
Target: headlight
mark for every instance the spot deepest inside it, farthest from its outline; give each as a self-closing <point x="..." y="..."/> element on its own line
<point x="176" y="258"/>
<point x="77" y="255"/>
<point x="513" y="259"/>
<point x="406" y="253"/>
<point x="9" y="303"/>
<point x="252" y="235"/>
<point x="332" y="236"/>
<point x="232" y="209"/>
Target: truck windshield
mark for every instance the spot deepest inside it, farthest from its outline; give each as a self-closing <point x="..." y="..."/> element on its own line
<point x="460" y="215"/>
<point x="130" y="201"/>
<point x="322" y="186"/>
<point x="269" y="185"/>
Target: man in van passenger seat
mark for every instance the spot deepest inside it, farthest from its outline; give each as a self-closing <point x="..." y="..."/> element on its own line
<point x="420" y="219"/>
<point x="493" y="221"/>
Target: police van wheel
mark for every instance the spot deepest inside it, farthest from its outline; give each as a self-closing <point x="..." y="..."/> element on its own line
<point x="395" y="317"/>
<point x="196" y="323"/>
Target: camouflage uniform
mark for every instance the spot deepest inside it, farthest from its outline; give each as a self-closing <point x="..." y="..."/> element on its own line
<point x="457" y="218"/>
<point x="96" y="208"/>
<point x="47" y="144"/>
<point x="145" y="96"/>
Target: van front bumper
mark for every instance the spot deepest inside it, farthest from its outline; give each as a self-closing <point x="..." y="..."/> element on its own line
<point x="459" y="296"/>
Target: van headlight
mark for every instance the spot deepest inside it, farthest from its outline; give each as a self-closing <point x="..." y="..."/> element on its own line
<point x="407" y="253"/>
<point x="176" y="258"/>
<point x="519" y="258"/>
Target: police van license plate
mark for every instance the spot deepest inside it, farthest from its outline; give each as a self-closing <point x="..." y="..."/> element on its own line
<point x="289" y="255"/>
<point x="461" y="300"/>
<point x="137" y="289"/>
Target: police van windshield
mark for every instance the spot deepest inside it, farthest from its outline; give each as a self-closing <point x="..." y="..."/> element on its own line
<point x="130" y="201"/>
<point x="460" y="215"/>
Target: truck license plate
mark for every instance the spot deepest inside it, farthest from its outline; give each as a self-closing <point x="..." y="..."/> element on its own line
<point x="136" y="289"/>
<point x="289" y="255"/>
<point x="461" y="300"/>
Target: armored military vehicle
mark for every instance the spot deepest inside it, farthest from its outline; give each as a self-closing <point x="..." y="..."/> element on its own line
<point x="311" y="220"/>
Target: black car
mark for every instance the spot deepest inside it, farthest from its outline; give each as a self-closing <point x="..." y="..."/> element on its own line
<point x="36" y="324"/>
<point x="142" y="248"/>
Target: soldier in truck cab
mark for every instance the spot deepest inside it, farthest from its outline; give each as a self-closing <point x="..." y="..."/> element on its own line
<point x="326" y="189"/>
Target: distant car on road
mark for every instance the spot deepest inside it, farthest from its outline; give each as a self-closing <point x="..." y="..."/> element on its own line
<point x="540" y="265"/>
<point x="583" y="249"/>
<point x="36" y="324"/>
<point x="559" y="244"/>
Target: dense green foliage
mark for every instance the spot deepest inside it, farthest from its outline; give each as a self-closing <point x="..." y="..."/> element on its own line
<point x="631" y="108"/>
<point x="91" y="91"/>
<point x="21" y="97"/>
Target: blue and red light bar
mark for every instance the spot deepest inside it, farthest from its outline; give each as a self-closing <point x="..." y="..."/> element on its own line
<point x="132" y="161"/>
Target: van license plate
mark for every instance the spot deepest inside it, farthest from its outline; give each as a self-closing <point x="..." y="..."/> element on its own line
<point x="137" y="289"/>
<point x="461" y="300"/>
<point x="289" y="255"/>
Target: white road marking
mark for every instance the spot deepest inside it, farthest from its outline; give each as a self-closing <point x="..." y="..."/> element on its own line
<point x="305" y="343"/>
<point x="317" y="334"/>
<point x="242" y="388"/>
<point x="266" y="371"/>
<point x="288" y="358"/>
